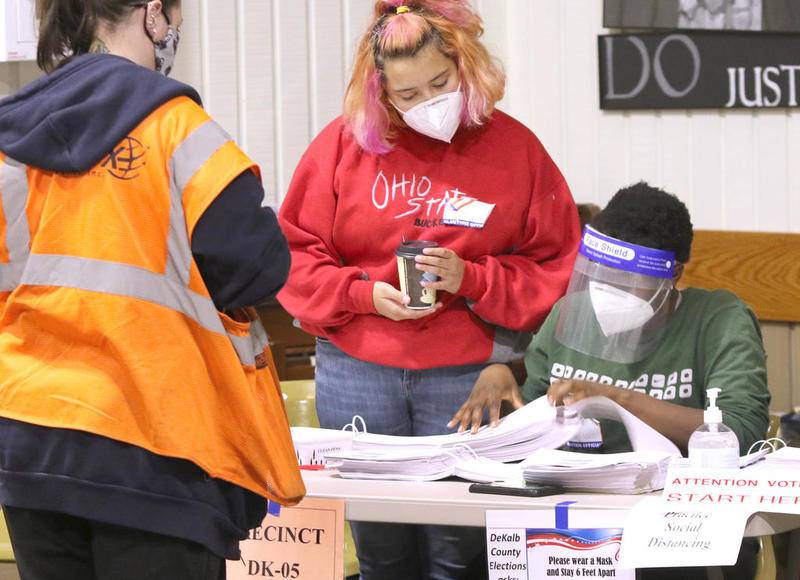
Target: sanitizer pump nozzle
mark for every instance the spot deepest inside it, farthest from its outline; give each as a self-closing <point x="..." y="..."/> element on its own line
<point x="712" y="414"/>
<point x="713" y="444"/>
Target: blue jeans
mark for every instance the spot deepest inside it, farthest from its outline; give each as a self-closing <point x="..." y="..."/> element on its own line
<point x="394" y="401"/>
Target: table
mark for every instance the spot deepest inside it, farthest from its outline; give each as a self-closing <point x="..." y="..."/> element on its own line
<point x="451" y="503"/>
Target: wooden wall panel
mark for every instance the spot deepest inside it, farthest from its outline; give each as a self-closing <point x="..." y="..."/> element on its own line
<point x="782" y="342"/>
<point x="28" y="71"/>
<point x="794" y="365"/>
<point x="9" y="78"/>
<point x="777" y="342"/>
<point x="762" y="269"/>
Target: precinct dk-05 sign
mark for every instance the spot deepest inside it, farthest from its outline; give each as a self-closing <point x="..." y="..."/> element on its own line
<point x="699" y="70"/>
<point x="304" y="542"/>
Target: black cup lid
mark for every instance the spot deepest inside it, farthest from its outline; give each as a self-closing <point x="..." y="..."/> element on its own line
<point x="414" y="247"/>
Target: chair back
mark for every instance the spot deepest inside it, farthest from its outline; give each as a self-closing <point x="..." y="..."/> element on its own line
<point x="6" y="553"/>
<point x="300" y="401"/>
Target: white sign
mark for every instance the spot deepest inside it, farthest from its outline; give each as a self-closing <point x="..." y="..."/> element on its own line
<point x="700" y="518"/>
<point x="523" y="545"/>
<point x="305" y="542"/>
<point x="18" y="34"/>
<point x="757" y="489"/>
<point x="658" y="534"/>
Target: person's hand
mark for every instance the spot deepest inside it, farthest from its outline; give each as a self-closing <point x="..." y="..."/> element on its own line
<point x="392" y="303"/>
<point x="495" y="384"/>
<point x="445" y="264"/>
<point x="572" y="391"/>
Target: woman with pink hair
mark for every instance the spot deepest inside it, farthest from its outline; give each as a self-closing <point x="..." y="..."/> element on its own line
<point x="421" y="153"/>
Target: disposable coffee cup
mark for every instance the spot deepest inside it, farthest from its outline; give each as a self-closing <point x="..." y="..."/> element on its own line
<point x="410" y="276"/>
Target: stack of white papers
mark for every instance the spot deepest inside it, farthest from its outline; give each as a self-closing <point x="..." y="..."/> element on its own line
<point x="534" y="426"/>
<point x="475" y="457"/>
<point x="485" y="470"/>
<point x="641" y="435"/>
<point x="783" y="457"/>
<point x="529" y="431"/>
<point x="401" y="464"/>
<point x="311" y="444"/>
<point x="421" y="465"/>
<point x="633" y="472"/>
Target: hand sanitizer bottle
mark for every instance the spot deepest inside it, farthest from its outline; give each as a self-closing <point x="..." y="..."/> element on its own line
<point x="713" y="444"/>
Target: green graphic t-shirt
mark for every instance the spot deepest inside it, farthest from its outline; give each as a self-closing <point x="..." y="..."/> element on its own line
<point x="712" y="340"/>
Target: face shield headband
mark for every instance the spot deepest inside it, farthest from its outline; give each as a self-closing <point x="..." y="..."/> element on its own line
<point x="615" y="307"/>
<point x="627" y="257"/>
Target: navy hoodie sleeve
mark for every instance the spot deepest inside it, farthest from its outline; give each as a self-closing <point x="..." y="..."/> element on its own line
<point x="239" y="248"/>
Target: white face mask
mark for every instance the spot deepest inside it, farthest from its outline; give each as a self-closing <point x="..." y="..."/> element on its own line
<point x="618" y="311"/>
<point x="438" y="117"/>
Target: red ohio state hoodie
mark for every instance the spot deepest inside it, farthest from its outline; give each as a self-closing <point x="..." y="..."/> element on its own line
<point x="347" y="210"/>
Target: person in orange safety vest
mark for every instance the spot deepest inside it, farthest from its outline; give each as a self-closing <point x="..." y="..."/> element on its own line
<point x="142" y="429"/>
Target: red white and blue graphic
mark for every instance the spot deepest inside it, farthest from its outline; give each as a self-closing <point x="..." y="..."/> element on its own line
<point x="519" y="552"/>
<point x="577" y="540"/>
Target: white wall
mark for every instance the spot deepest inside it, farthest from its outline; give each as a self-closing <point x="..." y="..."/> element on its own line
<point x="274" y="71"/>
<point x="736" y="170"/>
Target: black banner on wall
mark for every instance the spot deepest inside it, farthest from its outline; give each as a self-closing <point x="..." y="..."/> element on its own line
<point x="699" y="70"/>
<point x="756" y="15"/>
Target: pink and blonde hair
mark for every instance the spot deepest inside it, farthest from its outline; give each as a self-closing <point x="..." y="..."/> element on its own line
<point x="455" y="28"/>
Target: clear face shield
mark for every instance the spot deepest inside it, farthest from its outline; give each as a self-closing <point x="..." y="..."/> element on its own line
<point x="617" y="304"/>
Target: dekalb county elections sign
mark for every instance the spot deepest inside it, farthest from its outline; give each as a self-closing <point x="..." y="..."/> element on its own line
<point x="699" y="70"/>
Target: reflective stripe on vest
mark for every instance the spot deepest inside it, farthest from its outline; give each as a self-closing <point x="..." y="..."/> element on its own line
<point x="249" y="347"/>
<point x="187" y="159"/>
<point x="123" y="280"/>
<point x="14" y="193"/>
<point x="171" y="289"/>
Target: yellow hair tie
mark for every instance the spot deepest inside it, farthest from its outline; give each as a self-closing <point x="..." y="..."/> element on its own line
<point x="402" y="10"/>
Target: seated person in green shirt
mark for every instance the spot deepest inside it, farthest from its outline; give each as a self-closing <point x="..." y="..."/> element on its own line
<point x="624" y="331"/>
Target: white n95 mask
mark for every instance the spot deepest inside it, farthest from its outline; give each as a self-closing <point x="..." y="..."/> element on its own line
<point x="438" y="117"/>
<point x="616" y="310"/>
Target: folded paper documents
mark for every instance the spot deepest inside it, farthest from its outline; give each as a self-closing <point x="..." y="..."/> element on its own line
<point x="311" y="444"/>
<point x="633" y="472"/>
<point x="536" y="428"/>
<point x="395" y="463"/>
<point x="783" y="457"/>
<point x="531" y="427"/>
